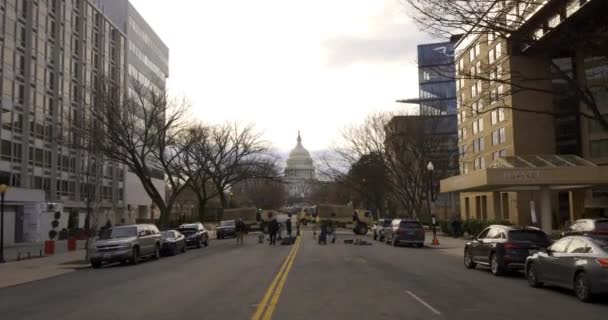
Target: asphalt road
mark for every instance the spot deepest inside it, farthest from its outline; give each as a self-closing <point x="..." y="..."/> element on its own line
<point x="306" y="281"/>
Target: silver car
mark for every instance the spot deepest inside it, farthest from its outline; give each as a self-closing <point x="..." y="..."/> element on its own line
<point x="125" y="243"/>
<point x="579" y="263"/>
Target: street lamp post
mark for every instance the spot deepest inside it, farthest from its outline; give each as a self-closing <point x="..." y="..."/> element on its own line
<point x="3" y="189"/>
<point x="431" y="197"/>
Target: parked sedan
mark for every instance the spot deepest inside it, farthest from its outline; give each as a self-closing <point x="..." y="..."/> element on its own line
<point x="504" y="248"/>
<point x="172" y="242"/>
<point x="227" y="228"/>
<point x="409" y="232"/>
<point x="195" y="233"/>
<point x="579" y="263"/>
<point x="591" y="227"/>
<point x="380" y="227"/>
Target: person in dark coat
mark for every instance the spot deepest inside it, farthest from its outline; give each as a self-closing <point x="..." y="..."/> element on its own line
<point x="273" y="229"/>
<point x="288" y="227"/>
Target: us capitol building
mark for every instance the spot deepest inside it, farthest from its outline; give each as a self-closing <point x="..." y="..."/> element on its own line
<point x="299" y="171"/>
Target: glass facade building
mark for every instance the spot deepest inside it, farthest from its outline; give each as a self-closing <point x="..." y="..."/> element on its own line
<point x="436" y="77"/>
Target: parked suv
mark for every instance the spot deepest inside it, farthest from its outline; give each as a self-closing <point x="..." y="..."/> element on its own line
<point x="380" y="227"/>
<point x="591" y="227"/>
<point x="504" y="247"/>
<point x="125" y="243"/>
<point x="404" y="231"/>
<point x="195" y="233"/>
<point x="227" y="228"/>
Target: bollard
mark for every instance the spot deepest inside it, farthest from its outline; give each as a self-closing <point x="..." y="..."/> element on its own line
<point x="40" y="252"/>
<point x="29" y="255"/>
<point x="19" y="256"/>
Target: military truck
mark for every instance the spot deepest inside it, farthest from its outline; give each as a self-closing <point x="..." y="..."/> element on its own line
<point x="248" y="215"/>
<point x="344" y="216"/>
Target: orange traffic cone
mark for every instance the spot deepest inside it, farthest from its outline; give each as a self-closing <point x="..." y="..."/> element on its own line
<point x="435" y="242"/>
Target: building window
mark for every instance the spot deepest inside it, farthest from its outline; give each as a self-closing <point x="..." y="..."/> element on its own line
<point x="474" y="91"/>
<point x="478" y="145"/>
<point x="499" y="154"/>
<point x="472" y="54"/>
<point x="491" y="36"/>
<point x="498" y="50"/>
<point x="599" y="148"/>
<point x="501" y="114"/>
<point x="479" y="163"/>
<point x="461" y="65"/>
<point x="491" y="57"/>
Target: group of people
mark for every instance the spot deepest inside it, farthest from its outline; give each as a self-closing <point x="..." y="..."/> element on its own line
<point x="275" y="230"/>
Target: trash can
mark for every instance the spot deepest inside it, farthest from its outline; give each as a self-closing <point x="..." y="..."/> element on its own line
<point x="49" y="247"/>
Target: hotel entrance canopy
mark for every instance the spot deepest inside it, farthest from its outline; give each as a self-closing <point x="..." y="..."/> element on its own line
<point x="531" y="172"/>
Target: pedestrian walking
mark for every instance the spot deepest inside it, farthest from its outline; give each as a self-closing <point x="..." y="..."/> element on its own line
<point x="273" y="229"/>
<point x="240" y="231"/>
<point x="288" y="227"/>
<point x="456" y="226"/>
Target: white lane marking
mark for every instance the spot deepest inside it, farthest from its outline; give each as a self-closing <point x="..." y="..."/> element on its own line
<point x="435" y="311"/>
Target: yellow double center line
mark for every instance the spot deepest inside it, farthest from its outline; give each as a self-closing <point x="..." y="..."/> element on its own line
<point x="266" y="308"/>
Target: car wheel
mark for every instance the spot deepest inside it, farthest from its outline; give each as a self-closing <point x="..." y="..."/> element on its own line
<point x="495" y="265"/>
<point x="134" y="256"/>
<point x="174" y="250"/>
<point x="198" y="243"/>
<point x="96" y="264"/>
<point x="394" y="242"/>
<point x="532" y="276"/>
<point x="184" y="248"/>
<point x="582" y="288"/>
<point x="468" y="260"/>
<point x="156" y="255"/>
<point x="206" y="243"/>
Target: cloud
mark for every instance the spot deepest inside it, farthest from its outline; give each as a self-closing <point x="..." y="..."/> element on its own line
<point x="391" y="37"/>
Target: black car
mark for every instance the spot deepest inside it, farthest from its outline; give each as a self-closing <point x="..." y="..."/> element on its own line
<point x="504" y="248"/>
<point x="227" y="228"/>
<point x="597" y="228"/>
<point x="172" y="242"/>
<point x="195" y="234"/>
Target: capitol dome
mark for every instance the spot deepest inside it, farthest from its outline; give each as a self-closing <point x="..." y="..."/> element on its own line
<point x="299" y="163"/>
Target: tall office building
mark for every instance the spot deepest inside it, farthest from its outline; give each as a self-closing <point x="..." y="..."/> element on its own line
<point x="437" y="115"/>
<point x="523" y="141"/>
<point x="147" y="62"/>
<point x="52" y="52"/>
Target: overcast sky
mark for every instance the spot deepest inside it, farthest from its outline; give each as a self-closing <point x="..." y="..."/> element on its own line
<point x="284" y="65"/>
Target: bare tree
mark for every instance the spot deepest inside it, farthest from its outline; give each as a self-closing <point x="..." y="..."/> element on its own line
<point x="403" y="148"/>
<point x="262" y="191"/>
<point x="231" y="154"/>
<point x="514" y="21"/>
<point x="143" y="131"/>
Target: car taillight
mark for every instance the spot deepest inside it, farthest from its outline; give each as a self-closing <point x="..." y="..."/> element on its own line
<point x="511" y="246"/>
<point x="603" y="262"/>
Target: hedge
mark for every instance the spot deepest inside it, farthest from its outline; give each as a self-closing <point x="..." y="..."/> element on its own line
<point x="472" y="227"/>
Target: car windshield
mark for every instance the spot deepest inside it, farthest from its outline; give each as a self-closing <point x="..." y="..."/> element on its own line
<point x="187" y="231"/>
<point x="409" y="225"/>
<point x="167" y="235"/>
<point x="227" y="223"/>
<point x="601" y="243"/>
<point x="601" y="225"/>
<point x="528" y="235"/>
<point x="118" y="233"/>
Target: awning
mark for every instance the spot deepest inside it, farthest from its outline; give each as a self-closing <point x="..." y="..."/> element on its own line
<point x="531" y="172"/>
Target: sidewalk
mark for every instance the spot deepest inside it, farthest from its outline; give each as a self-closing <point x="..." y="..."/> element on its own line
<point x="20" y="251"/>
<point x="447" y="245"/>
<point x="19" y="272"/>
